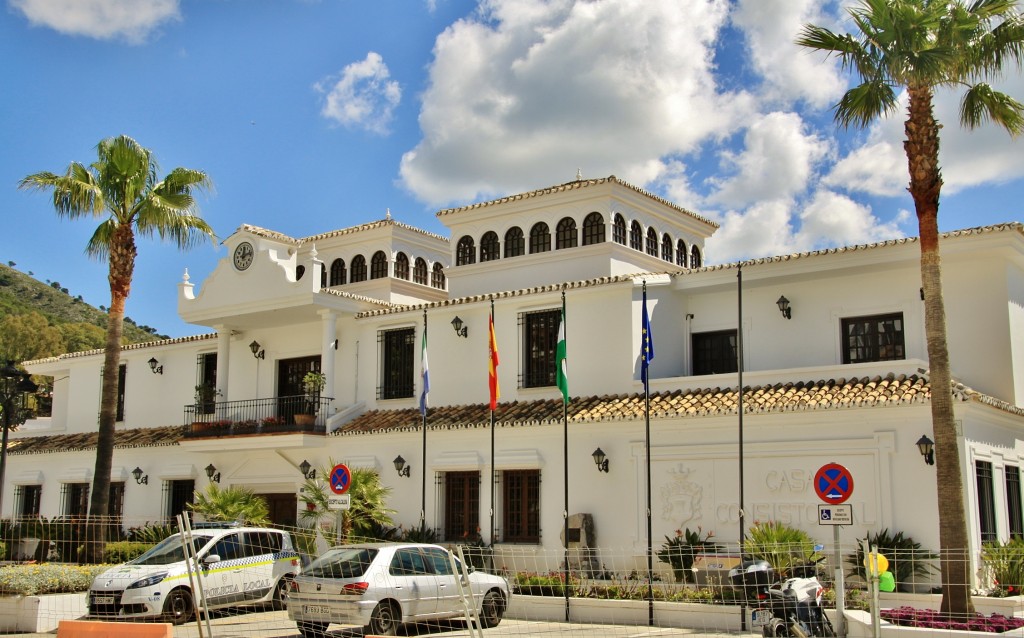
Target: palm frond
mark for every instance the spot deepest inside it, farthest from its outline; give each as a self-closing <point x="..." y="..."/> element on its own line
<point x="865" y="102"/>
<point x="981" y="104"/>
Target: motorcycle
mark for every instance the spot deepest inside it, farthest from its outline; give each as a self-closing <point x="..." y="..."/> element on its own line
<point x="790" y="608"/>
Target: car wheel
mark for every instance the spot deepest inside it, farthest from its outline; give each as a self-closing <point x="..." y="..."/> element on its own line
<point x="312" y="629"/>
<point x="384" y="620"/>
<point x="178" y="607"/>
<point x="491" y="610"/>
<point x="280" y="593"/>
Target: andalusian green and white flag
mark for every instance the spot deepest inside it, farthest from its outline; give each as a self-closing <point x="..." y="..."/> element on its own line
<point x="562" y="372"/>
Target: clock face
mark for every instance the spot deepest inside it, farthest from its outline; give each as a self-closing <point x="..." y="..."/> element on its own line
<point x="243" y="255"/>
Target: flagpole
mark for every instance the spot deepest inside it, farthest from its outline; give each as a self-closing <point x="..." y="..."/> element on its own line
<point x="492" y="347"/>
<point x="739" y="401"/>
<point x="647" y="443"/>
<point x="423" y="463"/>
<point x="565" y="465"/>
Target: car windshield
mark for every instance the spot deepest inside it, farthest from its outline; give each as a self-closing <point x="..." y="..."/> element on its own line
<point x="347" y="562"/>
<point x="169" y="550"/>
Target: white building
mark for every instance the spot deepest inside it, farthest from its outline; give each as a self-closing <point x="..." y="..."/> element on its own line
<point x="841" y="379"/>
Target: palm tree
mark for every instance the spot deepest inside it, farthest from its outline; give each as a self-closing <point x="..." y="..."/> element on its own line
<point x="122" y="189"/>
<point x="235" y="503"/>
<point x="368" y="498"/>
<point x="920" y="46"/>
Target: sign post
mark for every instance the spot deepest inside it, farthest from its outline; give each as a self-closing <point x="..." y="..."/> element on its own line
<point x="339" y="481"/>
<point x="833" y="484"/>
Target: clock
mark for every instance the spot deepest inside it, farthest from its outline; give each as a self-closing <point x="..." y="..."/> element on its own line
<point x="243" y="255"/>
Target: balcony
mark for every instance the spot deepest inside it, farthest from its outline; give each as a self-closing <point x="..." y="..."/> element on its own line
<point x="277" y="415"/>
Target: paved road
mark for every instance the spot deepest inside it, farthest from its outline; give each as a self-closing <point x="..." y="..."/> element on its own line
<point x="275" y="624"/>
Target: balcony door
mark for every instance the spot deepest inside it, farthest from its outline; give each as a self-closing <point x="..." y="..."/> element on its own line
<point x="290" y="394"/>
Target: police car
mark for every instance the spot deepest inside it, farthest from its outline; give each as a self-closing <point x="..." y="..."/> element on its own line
<point x="237" y="566"/>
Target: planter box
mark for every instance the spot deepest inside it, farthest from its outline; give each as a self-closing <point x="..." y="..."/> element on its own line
<point x="985" y="605"/>
<point x="626" y="612"/>
<point x="858" y="625"/>
<point x="39" y="614"/>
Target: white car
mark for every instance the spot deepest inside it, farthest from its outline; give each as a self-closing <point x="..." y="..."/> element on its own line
<point x="382" y="585"/>
<point x="239" y="566"/>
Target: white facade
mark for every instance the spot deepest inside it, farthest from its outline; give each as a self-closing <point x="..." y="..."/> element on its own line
<point x="805" y="407"/>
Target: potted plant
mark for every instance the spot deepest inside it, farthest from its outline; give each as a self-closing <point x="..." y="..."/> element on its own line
<point x="206" y="398"/>
<point x="312" y="385"/>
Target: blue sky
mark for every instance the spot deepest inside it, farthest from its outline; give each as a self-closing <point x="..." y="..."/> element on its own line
<point x="313" y="115"/>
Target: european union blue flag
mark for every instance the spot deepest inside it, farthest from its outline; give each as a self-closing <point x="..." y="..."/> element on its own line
<point x="646" y="343"/>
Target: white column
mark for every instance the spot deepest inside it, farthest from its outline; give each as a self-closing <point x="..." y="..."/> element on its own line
<point x="329" y="332"/>
<point x="223" y="358"/>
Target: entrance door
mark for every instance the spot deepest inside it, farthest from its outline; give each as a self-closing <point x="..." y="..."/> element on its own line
<point x="282" y="509"/>
<point x="289" y="385"/>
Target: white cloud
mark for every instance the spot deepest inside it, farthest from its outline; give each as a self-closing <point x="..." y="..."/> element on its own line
<point x="361" y="96"/>
<point x="762" y="229"/>
<point x="776" y="161"/>
<point x="131" y="20"/>
<point x="831" y="219"/>
<point x="526" y="91"/>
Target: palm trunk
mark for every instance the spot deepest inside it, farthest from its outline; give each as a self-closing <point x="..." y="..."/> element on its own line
<point x="121" y="267"/>
<point x="922" y="148"/>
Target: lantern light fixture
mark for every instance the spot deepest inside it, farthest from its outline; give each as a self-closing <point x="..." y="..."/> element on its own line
<point x="461" y="329"/>
<point x="212" y="473"/>
<point x="601" y="460"/>
<point x="402" y="467"/>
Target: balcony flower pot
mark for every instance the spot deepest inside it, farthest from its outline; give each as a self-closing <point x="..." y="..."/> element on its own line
<point x="305" y="419"/>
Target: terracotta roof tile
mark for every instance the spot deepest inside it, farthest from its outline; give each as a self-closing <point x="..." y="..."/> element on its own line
<point x="133" y="438"/>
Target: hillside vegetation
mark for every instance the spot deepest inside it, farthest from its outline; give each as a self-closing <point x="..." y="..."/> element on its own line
<point x="43" y="319"/>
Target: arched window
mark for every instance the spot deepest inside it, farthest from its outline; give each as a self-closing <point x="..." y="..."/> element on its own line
<point x="358" y="268"/>
<point x="695" y="257"/>
<point x="378" y="265"/>
<point x="323" y="275"/>
<point x="652" y="242"/>
<point x="465" y="251"/>
<point x="636" y="236"/>
<point x="619" y="230"/>
<point x="515" y="245"/>
<point x="419" y="271"/>
<point x="437" y="276"/>
<point x="299" y="272"/>
<point x="540" y="238"/>
<point x="681" y="253"/>
<point x="666" y="248"/>
<point x="565" y="234"/>
<point x="338" y="274"/>
<point x="402" y="267"/>
<point x="489" y="247"/>
<point x="593" y="229"/>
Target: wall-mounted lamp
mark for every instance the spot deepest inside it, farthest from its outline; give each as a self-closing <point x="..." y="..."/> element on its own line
<point x="212" y="473"/>
<point x="308" y="471"/>
<point x="334" y="344"/>
<point x="601" y="460"/>
<point x="403" y="469"/>
<point x="460" y="329"/>
<point x="256" y="350"/>
<point x="784" y="308"/>
<point x="139" y="478"/>
<point x="927" y="447"/>
<point x="155" y="366"/>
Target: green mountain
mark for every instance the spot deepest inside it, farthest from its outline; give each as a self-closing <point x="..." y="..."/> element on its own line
<point x="73" y="324"/>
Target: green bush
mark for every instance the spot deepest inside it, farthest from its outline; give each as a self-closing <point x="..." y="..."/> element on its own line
<point x="681" y="550"/>
<point x="907" y="560"/>
<point x="151" y="533"/>
<point x="123" y="551"/>
<point x="784" y="547"/>
<point x="551" y="584"/>
<point x="1005" y="561"/>
<point x="48" y="578"/>
<point x="420" y="534"/>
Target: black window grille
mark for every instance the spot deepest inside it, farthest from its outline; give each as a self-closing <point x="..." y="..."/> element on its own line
<point x="27" y="499"/>
<point x="1014" y="515"/>
<point x="652" y="242"/>
<point x="465" y="251"/>
<point x="178" y="495"/>
<point x="437" y="278"/>
<point x="338" y="273"/>
<point x="714" y="352"/>
<point x="565" y="234"/>
<point x="636" y="236"/>
<point x="461" y="505"/>
<point x="874" y="338"/>
<point x="540" y="238"/>
<point x="378" y="265"/>
<point x="122" y="375"/>
<point x="397" y="350"/>
<point x="74" y="499"/>
<point x="521" y="506"/>
<point x="695" y="257"/>
<point x="401" y="266"/>
<point x="540" y="332"/>
<point x="515" y="244"/>
<point x="986" y="501"/>
<point x="593" y="229"/>
<point x="358" y="268"/>
<point x="681" y="253"/>
<point x="419" y="271"/>
<point x="115" y="504"/>
<point x="206" y="382"/>
<point x="666" y="248"/>
<point x="619" y="230"/>
<point x="489" y="247"/>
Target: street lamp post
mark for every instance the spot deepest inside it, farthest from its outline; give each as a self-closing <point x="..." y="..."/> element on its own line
<point x="14" y="385"/>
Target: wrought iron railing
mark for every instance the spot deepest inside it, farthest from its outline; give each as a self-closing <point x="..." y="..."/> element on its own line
<point x="257" y="416"/>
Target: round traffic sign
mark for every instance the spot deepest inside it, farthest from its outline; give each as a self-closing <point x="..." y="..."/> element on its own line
<point x="833" y="483"/>
<point x="341" y="479"/>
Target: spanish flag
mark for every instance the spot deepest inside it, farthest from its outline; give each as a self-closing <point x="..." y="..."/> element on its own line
<point x="493" y="377"/>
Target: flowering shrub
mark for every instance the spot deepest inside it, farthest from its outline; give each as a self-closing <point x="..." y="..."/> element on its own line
<point x="47" y="578"/>
<point x="931" y="619"/>
<point x="272" y="420"/>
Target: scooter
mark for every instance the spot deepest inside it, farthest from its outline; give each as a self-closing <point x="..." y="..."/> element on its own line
<point x="793" y="607"/>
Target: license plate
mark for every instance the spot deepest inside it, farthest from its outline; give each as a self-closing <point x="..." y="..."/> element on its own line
<point x="760" y="617"/>
<point x="316" y="609"/>
<point x="103" y="600"/>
